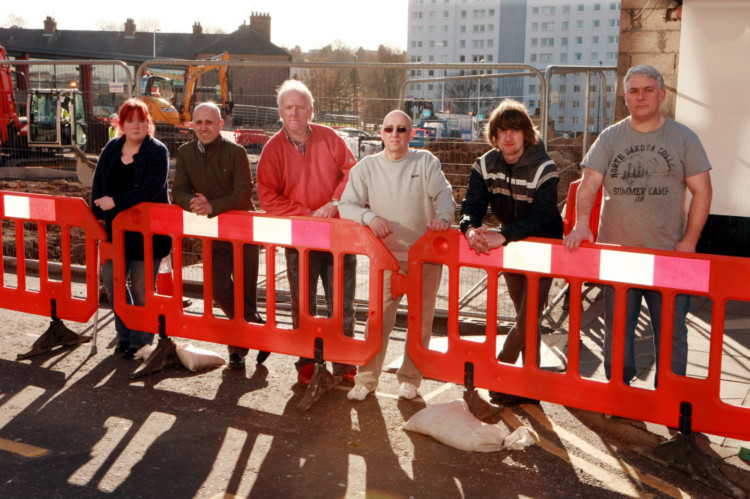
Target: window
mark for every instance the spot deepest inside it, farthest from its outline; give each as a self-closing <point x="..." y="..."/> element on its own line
<point x="445" y="28"/>
<point x="594" y="56"/>
<point x="562" y="89"/>
<point x="560" y="120"/>
<point x="489" y="57"/>
<point x="491" y="28"/>
<point x="445" y="43"/>
<point x="430" y="87"/>
<point x="566" y="9"/>
<point x="432" y="43"/>
<point x="532" y="58"/>
<point x="596" y="23"/>
<point x="432" y="14"/>
<point x="548" y="42"/>
<point x="614" y="23"/>
<point x="576" y="88"/>
<point x="614" y="6"/>
<point x="548" y="26"/>
<point x="463" y="14"/>
<point x="462" y="44"/>
<point x="548" y="11"/>
<point x="446" y="13"/>
<point x="595" y="40"/>
<point x="490" y="43"/>
<point x="534" y="42"/>
<point x="612" y="39"/>
<point x="478" y="44"/>
<point x="575" y="120"/>
<point x="479" y="28"/>
<point x="578" y="56"/>
<point x="492" y="12"/>
<point x="565" y="25"/>
<point x="563" y="57"/>
<point x="462" y="29"/>
<point x="576" y="104"/>
<point x="415" y="30"/>
<point x="579" y="40"/>
<point x="611" y="56"/>
<point x="545" y="58"/>
<point x="416" y="15"/>
<point x="432" y="29"/>
<point x="564" y="41"/>
<point x="580" y="7"/>
<point x="597" y="6"/>
<point x="579" y="24"/>
<point x="462" y="58"/>
<point x="535" y="10"/>
<point x="478" y="14"/>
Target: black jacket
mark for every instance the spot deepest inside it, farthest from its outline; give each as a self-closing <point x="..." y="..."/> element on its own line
<point x="523" y="196"/>
<point x="150" y="169"/>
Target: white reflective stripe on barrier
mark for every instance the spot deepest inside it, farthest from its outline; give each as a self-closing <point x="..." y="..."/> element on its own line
<point x="273" y="230"/>
<point x="640" y="269"/>
<point x="29" y="208"/>
<point x="198" y="225"/>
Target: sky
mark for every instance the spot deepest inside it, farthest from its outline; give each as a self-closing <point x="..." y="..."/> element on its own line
<point x="310" y="24"/>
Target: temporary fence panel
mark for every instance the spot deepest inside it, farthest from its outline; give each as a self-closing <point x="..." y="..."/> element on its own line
<point x="45" y="211"/>
<point x="717" y="277"/>
<point x="339" y="237"/>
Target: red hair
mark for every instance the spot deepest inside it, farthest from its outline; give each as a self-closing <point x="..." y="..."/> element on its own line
<point x="135" y="107"/>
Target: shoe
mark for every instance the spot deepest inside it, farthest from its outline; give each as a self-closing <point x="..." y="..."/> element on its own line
<point x="130" y="354"/>
<point x="507" y="399"/>
<point x="122" y="347"/>
<point x="235" y="361"/>
<point x="349" y="376"/>
<point x="305" y="374"/>
<point x="262" y="356"/>
<point x="407" y="390"/>
<point x="359" y="392"/>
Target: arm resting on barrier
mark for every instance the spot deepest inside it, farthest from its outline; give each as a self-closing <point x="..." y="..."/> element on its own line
<point x="585" y="198"/>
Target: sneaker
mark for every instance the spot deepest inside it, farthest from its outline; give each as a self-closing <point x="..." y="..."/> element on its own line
<point x="349" y="376"/>
<point x="130" y="354"/>
<point x="122" y="347"/>
<point x="305" y="374"/>
<point x="407" y="390"/>
<point x="359" y="392"/>
<point x="507" y="399"/>
<point x="236" y="361"/>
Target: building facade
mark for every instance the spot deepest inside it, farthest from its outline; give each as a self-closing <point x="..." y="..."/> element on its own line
<point x="539" y="33"/>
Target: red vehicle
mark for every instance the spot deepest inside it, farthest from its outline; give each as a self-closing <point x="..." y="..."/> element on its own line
<point x="252" y="139"/>
<point x="10" y="122"/>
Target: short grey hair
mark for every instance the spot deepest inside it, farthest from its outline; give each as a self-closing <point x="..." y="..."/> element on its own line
<point x="290" y="85"/>
<point x="648" y="71"/>
<point x="209" y="105"/>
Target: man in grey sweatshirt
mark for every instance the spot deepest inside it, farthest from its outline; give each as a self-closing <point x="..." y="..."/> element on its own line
<point x="399" y="193"/>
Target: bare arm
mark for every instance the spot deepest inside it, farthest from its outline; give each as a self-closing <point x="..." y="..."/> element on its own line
<point x="700" y="187"/>
<point x="585" y="198"/>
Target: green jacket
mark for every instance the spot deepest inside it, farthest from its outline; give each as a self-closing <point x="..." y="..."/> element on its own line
<point x="221" y="173"/>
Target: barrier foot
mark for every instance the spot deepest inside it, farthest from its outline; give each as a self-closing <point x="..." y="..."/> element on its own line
<point x="56" y="334"/>
<point x="163" y="356"/>
<point x="322" y="381"/>
<point x="479" y="407"/>
<point x="682" y="452"/>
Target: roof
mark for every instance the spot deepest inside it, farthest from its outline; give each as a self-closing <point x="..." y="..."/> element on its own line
<point x="74" y="44"/>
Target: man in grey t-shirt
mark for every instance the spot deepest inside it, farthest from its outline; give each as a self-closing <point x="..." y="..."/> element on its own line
<point x="645" y="163"/>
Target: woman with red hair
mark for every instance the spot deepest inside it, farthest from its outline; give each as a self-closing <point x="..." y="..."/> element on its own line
<point x="132" y="169"/>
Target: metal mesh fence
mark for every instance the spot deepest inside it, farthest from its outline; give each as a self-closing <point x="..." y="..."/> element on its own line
<point x="449" y="104"/>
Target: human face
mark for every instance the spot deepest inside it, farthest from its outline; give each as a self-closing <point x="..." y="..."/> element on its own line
<point x="296" y="112"/>
<point x="510" y="143"/>
<point x="135" y="128"/>
<point x="207" y="124"/>
<point x="396" y="143"/>
<point x="643" y="97"/>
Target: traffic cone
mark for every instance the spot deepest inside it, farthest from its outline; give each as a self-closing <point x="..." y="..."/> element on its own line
<point x="164" y="281"/>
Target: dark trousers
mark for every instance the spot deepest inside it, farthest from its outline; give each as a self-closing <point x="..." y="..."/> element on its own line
<point x="515" y="343"/>
<point x="320" y="265"/>
<point x="223" y="282"/>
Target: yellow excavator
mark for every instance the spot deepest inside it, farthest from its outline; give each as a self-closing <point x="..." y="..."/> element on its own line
<point x="171" y="107"/>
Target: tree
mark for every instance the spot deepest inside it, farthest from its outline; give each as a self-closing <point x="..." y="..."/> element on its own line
<point x="148" y="24"/>
<point x="15" y="21"/>
<point x="108" y="25"/>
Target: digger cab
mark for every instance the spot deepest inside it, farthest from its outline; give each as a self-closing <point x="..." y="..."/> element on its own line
<point x="56" y="119"/>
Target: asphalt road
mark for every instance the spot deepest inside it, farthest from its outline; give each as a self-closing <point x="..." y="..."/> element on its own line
<point x="74" y="424"/>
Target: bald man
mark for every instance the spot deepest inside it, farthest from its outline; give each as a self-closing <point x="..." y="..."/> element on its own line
<point x="212" y="176"/>
<point x="399" y="193"/>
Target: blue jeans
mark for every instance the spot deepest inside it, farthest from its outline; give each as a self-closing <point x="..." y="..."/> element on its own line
<point x="632" y="312"/>
<point x="135" y="294"/>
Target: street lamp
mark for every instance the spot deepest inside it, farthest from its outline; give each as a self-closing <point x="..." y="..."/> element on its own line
<point x="155" y="30"/>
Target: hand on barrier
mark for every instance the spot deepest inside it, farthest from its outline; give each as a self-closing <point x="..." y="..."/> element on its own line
<point x="579" y="234"/>
<point x="380" y="227"/>
<point x="200" y="205"/>
<point x="328" y="210"/>
<point x="478" y="240"/>
<point x="106" y="203"/>
<point x="438" y="225"/>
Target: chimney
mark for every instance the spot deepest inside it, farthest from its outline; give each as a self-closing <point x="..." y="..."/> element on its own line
<point x="261" y="22"/>
<point x="129" y="28"/>
<point x="197" y="28"/>
<point x="50" y="26"/>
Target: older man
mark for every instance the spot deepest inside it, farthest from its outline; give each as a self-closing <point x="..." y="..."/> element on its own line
<point x="213" y="176"/>
<point x="645" y="163"/>
<point x="302" y="171"/>
<point x="399" y="193"/>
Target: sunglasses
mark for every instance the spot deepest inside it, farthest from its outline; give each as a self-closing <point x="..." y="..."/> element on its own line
<point x="400" y="129"/>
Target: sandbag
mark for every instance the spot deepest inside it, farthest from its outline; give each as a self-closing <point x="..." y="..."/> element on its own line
<point x="198" y="359"/>
<point x="452" y="424"/>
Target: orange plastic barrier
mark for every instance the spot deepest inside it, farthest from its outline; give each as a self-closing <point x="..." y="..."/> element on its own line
<point x="338" y="237"/>
<point x="67" y="213"/>
<point x="569" y="221"/>
<point x="718" y="277"/>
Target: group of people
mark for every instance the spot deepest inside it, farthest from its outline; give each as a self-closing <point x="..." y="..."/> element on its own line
<point x="400" y="193"/>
